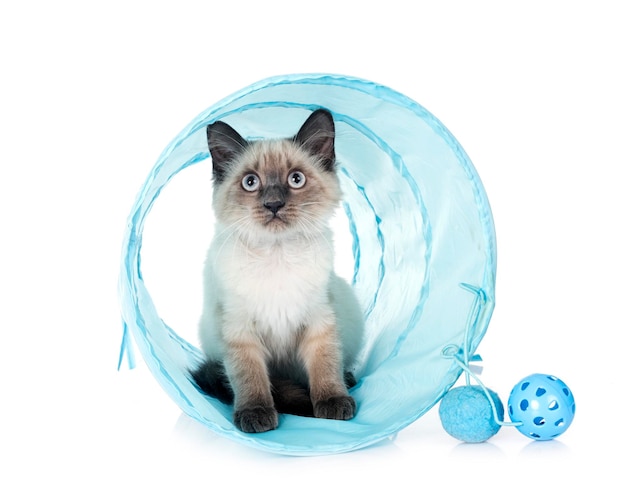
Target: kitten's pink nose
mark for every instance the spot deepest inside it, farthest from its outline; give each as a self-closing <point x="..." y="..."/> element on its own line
<point x="274" y="206"/>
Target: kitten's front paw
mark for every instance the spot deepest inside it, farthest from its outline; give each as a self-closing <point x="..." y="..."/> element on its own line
<point x="256" y="419"/>
<point x="340" y="407"/>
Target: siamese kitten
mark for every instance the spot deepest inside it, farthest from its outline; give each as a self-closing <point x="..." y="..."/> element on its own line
<point x="280" y="330"/>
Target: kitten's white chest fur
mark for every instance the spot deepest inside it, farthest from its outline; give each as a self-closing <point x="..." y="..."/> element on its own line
<point x="271" y="292"/>
<point x="275" y="287"/>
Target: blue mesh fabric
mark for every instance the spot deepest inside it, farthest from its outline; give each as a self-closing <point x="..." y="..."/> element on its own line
<point x="423" y="244"/>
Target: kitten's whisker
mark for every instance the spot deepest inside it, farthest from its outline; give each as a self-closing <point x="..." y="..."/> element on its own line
<point x="235" y="228"/>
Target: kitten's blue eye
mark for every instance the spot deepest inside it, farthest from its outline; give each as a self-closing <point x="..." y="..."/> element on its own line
<point x="296" y="179"/>
<point x="250" y="182"/>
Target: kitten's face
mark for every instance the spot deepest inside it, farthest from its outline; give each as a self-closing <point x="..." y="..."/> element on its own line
<point x="275" y="187"/>
<point x="271" y="188"/>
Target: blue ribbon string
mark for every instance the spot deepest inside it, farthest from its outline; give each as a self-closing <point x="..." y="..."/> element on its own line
<point x="456" y="353"/>
<point x="126" y="350"/>
<point x="463" y="358"/>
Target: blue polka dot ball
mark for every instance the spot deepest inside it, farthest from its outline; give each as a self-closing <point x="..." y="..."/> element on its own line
<point x="467" y="415"/>
<point x="544" y="406"/>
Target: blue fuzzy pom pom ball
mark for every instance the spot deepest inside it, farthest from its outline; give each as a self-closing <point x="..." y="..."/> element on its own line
<point x="467" y="415"/>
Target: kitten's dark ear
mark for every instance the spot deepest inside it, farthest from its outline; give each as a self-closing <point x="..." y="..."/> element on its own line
<point x="317" y="135"/>
<point x="224" y="145"/>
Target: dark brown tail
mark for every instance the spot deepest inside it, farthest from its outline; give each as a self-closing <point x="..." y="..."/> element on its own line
<point x="290" y="398"/>
<point x="212" y="380"/>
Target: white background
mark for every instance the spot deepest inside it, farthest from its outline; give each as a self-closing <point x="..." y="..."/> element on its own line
<point x="91" y="93"/>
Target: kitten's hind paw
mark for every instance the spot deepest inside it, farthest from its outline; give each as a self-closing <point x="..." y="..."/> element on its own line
<point x="340" y="407"/>
<point x="256" y="419"/>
